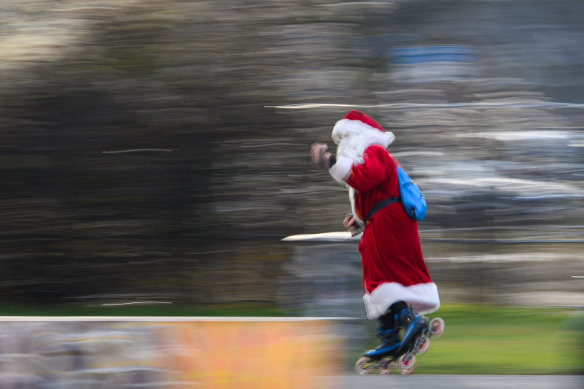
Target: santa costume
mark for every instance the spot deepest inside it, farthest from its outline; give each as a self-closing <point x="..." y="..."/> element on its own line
<point x="394" y="272"/>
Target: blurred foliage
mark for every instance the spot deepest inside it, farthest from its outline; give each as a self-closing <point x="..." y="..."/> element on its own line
<point x="143" y="156"/>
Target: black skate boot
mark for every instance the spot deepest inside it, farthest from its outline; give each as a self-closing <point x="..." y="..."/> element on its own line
<point x="413" y="325"/>
<point x="390" y="343"/>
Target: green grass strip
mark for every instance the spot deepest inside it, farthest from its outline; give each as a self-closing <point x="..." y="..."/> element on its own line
<point x="497" y="340"/>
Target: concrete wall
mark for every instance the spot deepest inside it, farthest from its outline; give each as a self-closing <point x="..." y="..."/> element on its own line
<point x="174" y="353"/>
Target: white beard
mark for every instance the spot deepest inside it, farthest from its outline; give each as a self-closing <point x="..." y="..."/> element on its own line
<point x="352" y="147"/>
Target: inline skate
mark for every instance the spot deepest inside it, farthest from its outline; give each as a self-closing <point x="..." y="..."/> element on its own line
<point x="393" y="352"/>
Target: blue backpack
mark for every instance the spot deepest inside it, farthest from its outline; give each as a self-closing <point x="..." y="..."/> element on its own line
<point x="411" y="196"/>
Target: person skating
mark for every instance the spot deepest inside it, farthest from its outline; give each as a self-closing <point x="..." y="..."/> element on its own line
<point x="396" y="280"/>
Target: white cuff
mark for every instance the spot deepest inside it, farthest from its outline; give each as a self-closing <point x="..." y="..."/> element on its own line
<point x="423" y="298"/>
<point x="341" y="169"/>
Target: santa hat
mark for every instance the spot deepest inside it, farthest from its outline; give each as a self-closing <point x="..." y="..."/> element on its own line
<point x="353" y="134"/>
<point x="364" y="126"/>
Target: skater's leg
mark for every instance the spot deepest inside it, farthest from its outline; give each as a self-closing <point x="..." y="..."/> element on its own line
<point x="406" y="318"/>
<point x="387" y="320"/>
<point x="398" y="312"/>
<point x="388" y="332"/>
<point x="398" y="316"/>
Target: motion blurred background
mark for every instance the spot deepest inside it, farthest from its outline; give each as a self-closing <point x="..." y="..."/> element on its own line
<point x="157" y="151"/>
<point x="154" y="154"/>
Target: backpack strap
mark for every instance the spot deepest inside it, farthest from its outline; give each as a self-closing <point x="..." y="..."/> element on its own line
<point x="378" y="206"/>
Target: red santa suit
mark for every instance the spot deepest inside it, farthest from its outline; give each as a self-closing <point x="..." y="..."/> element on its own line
<point x="391" y="255"/>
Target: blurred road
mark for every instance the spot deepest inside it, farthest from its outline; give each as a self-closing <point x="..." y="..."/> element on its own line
<point x="454" y="382"/>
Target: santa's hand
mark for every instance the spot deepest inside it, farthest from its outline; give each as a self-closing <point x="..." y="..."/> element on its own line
<point x="351" y="225"/>
<point x="349" y="221"/>
<point x="320" y="155"/>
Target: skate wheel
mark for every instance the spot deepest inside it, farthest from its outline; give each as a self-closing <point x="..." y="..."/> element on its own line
<point x="407" y="363"/>
<point x="385" y="367"/>
<point x="424" y="345"/>
<point x="437" y="327"/>
<point x="364" y="365"/>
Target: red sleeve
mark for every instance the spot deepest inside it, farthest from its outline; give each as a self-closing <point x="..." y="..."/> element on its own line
<point x="371" y="172"/>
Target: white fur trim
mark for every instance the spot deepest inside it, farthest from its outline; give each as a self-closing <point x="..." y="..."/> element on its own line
<point x="346" y="127"/>
<point x="341" y="169"/>
<point x="423" y="298"/>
